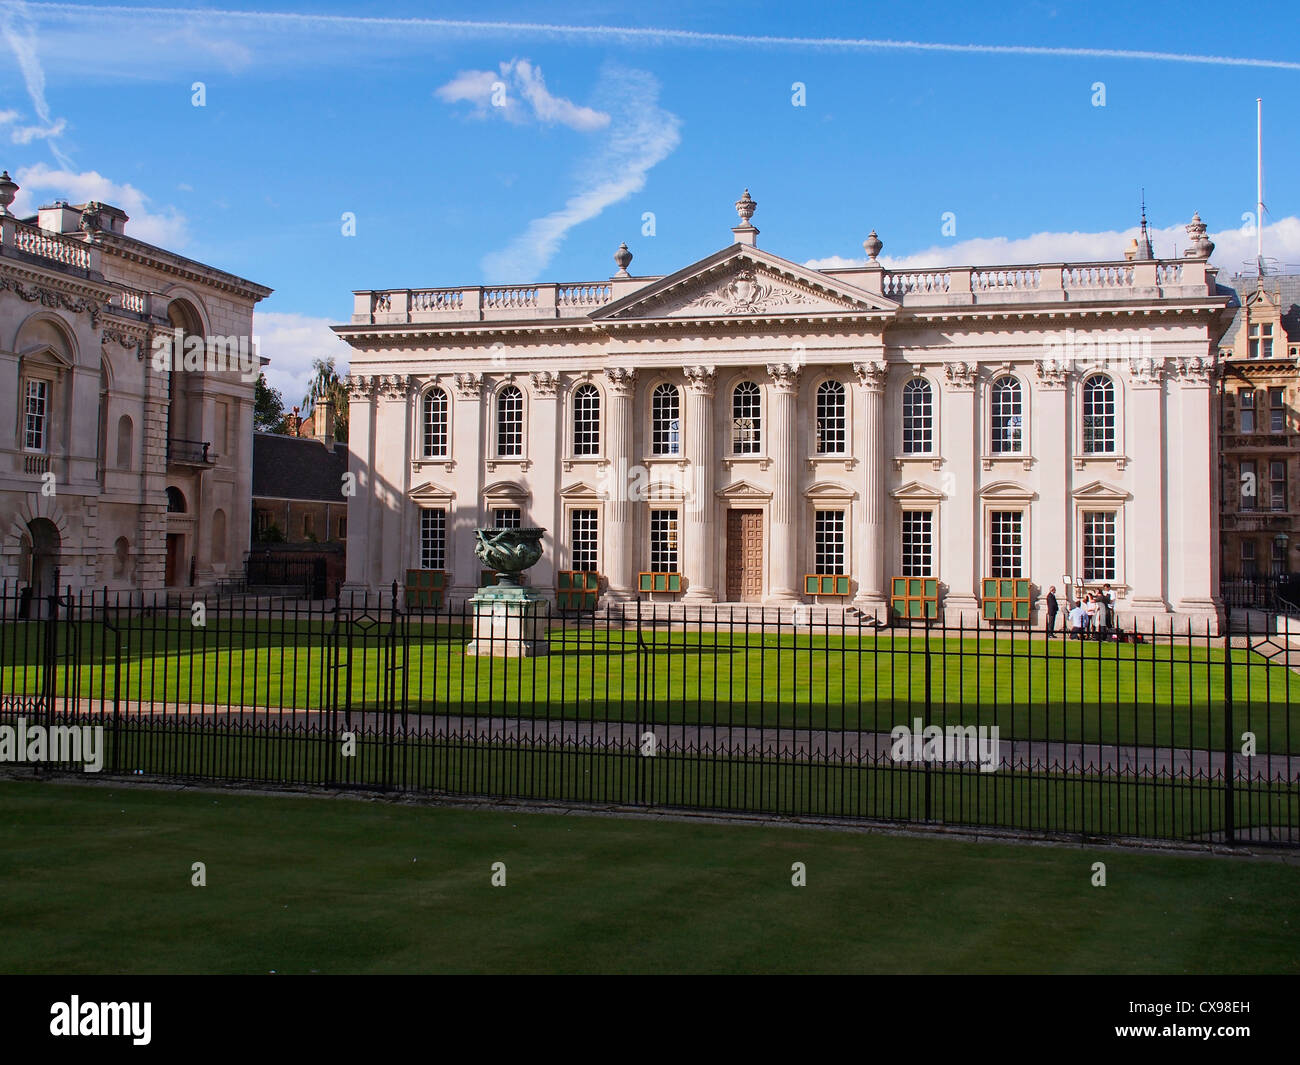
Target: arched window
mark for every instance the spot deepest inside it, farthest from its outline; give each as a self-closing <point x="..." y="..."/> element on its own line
<point x="918" y="417"/>
<point x="1099" y="415"/>
<point x="121" y="557"/>
<point x="125" y="442"/>
<point x="665" y="421"/>
<point x="746" y="419"/>
<point x="433" y="424"/>
<point x="832" y="419"/>
<point x="510" y="421"/>
<point x="1007" y="416"/>
<point x="175" y="500"/>
<point x="586" y="420"/>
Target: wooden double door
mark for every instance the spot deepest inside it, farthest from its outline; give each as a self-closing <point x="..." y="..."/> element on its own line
<point x="744" y="556"/>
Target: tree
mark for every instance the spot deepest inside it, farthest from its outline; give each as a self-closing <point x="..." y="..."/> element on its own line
<point x="326" y="384"/>
<point x="268" y="407"/>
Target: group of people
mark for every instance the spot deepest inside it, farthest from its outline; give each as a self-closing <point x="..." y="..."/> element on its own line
<point x="1091" y="617"/>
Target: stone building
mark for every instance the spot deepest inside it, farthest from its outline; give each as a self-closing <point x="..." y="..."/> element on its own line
<point x="747" y="429"/>
<point x="1260" y="432"/>
<point x="117" y="470"/>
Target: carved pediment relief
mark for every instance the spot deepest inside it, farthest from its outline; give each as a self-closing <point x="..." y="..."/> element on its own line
<point x="916" y="492"/>
<point x="431" y="492"/>
<point x="1100" y="492"/>
<point x="743" y="490"/>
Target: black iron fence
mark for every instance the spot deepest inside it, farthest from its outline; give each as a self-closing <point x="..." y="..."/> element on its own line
<point x="1277" y="594"/>
<point x="804" y="712"/>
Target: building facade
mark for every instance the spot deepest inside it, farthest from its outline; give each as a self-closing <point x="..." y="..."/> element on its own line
<point x="121" y="466"/>
<point x="1260" y="433"/>
<point x="751" y="430"/>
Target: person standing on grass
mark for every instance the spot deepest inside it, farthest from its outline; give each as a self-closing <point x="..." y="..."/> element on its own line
<point x="1101" y="619"/>
<point x="1078" y="620"/>
<point x="1052" y="608"/>
<point x="1090" y="609"/>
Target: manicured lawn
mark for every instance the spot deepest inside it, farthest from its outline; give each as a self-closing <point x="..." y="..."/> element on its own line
<point x="1164" y="694"/>
<point x="97" y="880"/>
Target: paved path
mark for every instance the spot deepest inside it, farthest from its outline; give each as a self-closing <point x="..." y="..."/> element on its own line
<point x="822" y="746"/>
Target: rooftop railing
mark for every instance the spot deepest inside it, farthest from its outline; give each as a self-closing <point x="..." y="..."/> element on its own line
<point x="34" y="241"/>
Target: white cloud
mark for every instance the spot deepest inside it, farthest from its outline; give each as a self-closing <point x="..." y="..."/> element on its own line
<point x="27" y="134"/>
<point x="505" y="93"/>
<point x="1233" y="248"/>
<point x="20" y="34"/>
<point x="7" y="116"/>
<point x="165" y="227"/>
<point x="641" y="135"/>
<point x="291" y="341"/>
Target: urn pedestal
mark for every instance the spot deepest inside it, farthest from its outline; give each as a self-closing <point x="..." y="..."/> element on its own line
<point x="510" y="621"/>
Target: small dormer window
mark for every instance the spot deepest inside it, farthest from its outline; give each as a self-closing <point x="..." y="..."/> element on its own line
<point x="1261" y="340"/>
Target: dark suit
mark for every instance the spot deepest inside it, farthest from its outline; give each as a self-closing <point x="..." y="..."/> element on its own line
<point x="1051" y="614"/>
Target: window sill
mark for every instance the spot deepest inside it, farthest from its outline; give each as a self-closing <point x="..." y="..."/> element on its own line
<point x="1026" y="461"/>
<point x="848" y="460"/>
<point x="448" y="464"/>
<point x="1080" y="460"/>
<point x="511" y="460"/>
<point x="935" y="461"/>
<point x="761" y="461"/>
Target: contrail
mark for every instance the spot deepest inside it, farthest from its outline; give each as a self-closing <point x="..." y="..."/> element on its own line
<point x="651" y="35"/>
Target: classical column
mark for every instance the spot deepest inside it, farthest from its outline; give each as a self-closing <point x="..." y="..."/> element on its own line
<point x="871" y="534"/>
<point x="545" y="445"/>
<point x="619" y="533"/>
<point x="1144" y="534"/>
<point x="391" y="471"/>
<point x="962" y="524"/>
<point x="465" y="477"/>
<point x="1195" y="542"/>
<point x="361" y="460"/>
<point x="783" y="448"/>
<point x="1053" y="526"/>
<point x="698" y="537"/>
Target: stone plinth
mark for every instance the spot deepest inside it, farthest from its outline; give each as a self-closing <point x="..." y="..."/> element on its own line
<point x="509" y="622"/>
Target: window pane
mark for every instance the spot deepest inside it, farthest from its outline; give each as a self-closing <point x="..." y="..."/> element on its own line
<point x="831" y="419"/>
<point x="1099" y="415"/>
<point x="1249" y="485"/>
<point x="1099" y="546"/>
<point x="510" y="421"/>
<point x="433" y="538"/>
<point x="507" y="518"/>
<point x="35" y="410"/>
<point x="918" y="543"/>
<point x="663" y="541"/>
<point x="586" y="421"/>
<point x="435" y="423"/>
<point x="746" y="427"/>
<point x="665" y="422"/>
<point x="1007" y="416"/>
<point x="918" y="418"/>
<point x="1005" y="540"/>
<point x="829" y="535"/>
<point x="583" y="540"/>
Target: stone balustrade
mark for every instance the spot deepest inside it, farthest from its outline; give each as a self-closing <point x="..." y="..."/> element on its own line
<point x="944" y="287"/>
<point x="37" y="242"/>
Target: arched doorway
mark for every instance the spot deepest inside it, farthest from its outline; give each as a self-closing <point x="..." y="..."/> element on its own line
<point x="175" y="562"/>
<point x="43" y="564"/>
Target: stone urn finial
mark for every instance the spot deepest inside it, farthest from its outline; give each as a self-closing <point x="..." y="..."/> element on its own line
<point x="745" y="207"/>
<point x="8" y="190"/>
<point x="508" y="552"/>
<point x="872" y="245"/>
<point x="623" y="259"/>
<point x="1202" y="245"/>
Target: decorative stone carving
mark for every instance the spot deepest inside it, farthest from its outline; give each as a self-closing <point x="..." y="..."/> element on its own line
<point x="394" y="386"/>
<point x="785" y="377"/>
<point x="959" y="376"/>
<point x="110" y="336"/>
<point x="468" y="385"/>
<point x="745" y="207"/>
<point x="1195" y="370"/>
<point x="544" y="383"/>
<point x="622" y="259"/>
<point x="748" y="292"/>
<point x="872" y="374"/>
<point x="700" y="379"/>
<point x="1202" y="245"/>
<point x="1146" y="370"/>
<point x="621" y="380"/>
<point x="48" y="297"/>
<point x="872" y="246"/>
<point x="1052" y="373"/>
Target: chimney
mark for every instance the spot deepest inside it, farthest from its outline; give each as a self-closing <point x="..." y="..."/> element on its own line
<point x="322" y="421"/>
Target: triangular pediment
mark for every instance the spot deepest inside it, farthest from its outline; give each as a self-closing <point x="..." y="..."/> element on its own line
<point x="579" y="490"/>
<point x="1100" y="492"/>
<point x="744" y="282"/>
<point x="916" y="492"/>
<point x="743" y="490"/>
<point x="429" y="491"/>
<point x="1007" y="492"/>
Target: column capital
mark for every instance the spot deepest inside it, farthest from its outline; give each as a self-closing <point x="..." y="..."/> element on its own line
<point x="393" y="386"/>
<point x="1052" y="373"/>
<point x="621" y="380"/>
<point x="543" y="383"/>
<point x="785" y="377"/>
<point x="960" y="376"/>
<point x="700" y="380"/>
<point x="1146" y="372"/>
<point x="1195" y="370"/>
<point x="872" y="374"/>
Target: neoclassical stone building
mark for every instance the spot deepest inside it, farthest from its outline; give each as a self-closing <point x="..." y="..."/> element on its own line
<point x="113" y="472"/>
<point x="751" y="430"/>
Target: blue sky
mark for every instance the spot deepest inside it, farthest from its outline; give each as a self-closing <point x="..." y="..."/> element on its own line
<point x="383" y="111"/>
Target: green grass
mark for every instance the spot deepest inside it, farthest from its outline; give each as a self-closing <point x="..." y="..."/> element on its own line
<point x="1159" y="694"/>
<point x="97" y="880"/>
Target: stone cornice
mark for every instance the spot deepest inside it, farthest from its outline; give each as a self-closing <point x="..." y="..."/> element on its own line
<point x="167" y="262"/>
<point x="53" y="299"/>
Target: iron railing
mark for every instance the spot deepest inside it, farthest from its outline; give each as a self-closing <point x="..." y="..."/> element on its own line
<point x="805" y="713"/>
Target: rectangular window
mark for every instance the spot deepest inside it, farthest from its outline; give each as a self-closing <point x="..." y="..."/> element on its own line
<point x="343" y="528"/>
<point x="1277" y="484"/>
<point x="583" y="541"/>
<point x="308" y="525"/>
<point x="918" y="543"/>
<point x="36" y="410"/>
<point x="1005" y="555"/>
<point x="1261" y="340"/>
<point x="1249" y="485"/>
<point x="828" y="526"/>
<point x="434" y="424"/>
<point x="1246" y="403"/>
<point x="663" y="541"/>
<point x="1248" y="566"/>
<point x="1277" y="560"/>
<point x="507" y="518"/>
<point x="1276" y="410"/>
<point x="1099" y="546"/>
<point x="433" y="538"/>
